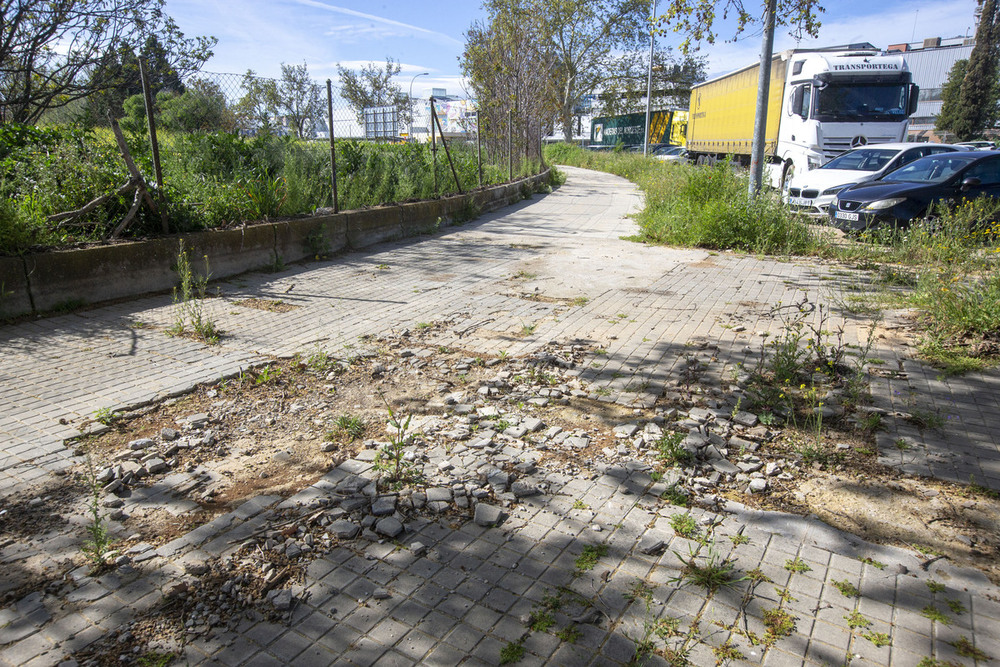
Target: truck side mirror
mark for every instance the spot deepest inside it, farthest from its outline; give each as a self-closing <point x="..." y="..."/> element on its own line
<point x="914" y="99"/>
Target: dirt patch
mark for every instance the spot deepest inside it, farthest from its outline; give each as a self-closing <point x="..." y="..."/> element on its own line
<point x="270" y="305"/>
<point x="842" y="483"/>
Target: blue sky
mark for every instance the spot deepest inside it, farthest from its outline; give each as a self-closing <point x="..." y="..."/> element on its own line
<point x="428" y="35"/>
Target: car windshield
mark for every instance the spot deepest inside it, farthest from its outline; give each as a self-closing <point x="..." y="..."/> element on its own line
<point x="861" y="102"/>
<point x="669" y="150"/>
<point x="862" y="159"/>
<point x="931" y="169"/>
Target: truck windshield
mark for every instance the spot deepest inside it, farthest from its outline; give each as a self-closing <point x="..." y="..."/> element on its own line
<point x="861" y="102"/>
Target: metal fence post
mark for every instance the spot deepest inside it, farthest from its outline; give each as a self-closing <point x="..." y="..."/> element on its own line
<point x="153" y="143"/>
<point x="479" y="148"/>
<point x="333" y="150"/>
<point x="510" y="144"/>
<point x="434" y="148"/>
<point x="447" y="154"/>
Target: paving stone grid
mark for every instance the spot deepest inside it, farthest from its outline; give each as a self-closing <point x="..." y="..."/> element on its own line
<point x="464" y="599"/>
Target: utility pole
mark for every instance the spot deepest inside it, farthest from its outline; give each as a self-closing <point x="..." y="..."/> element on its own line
<point x="649" y="78"/>
<point x="763" y="89"/>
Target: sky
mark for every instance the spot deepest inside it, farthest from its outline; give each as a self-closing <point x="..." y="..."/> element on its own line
<point x="428" y="35"/>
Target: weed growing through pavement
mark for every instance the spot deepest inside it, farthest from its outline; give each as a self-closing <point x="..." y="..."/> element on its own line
<point x="107" y="416"/>
<point x="727" y="652"/>
<point x="98" y="543"/>
<point x="716" y="571"/>
<point x="640" y="590"/>
<point x="541" y="620"/>
<point x="390" y="460"/>
<point x="778" y="623"/>
<point x="189" y="310"/>
<point x="856" y="620"/>
<point x="935" y="614"/>
<point x="797" y="565"/>
<point x="935" y="586"/>
<point x="579" y="505"/>
<point x="846" y="588"/>
<point x="676" y="496"/>
<point x="879" y="639"/>
<point x="511" y="652"/>
<point x="570" y="634"/>
<point x="868" y="560"/>
<point x="967" y="649"/>
<point x="591" y="554"/>
<point x="684" y="525"/>
<point x="956" y="607"/>
<point x="670" y="451"/>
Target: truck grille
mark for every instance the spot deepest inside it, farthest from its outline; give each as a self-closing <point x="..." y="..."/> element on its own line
<point x="834" y="146"/>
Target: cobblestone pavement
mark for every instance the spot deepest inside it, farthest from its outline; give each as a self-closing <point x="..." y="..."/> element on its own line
<point x="446" y="592"/>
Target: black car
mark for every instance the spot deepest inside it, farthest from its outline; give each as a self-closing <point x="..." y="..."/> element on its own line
<point x="907" y="193"/>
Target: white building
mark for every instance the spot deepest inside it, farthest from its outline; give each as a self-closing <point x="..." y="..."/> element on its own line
<point x="930" y="62"/>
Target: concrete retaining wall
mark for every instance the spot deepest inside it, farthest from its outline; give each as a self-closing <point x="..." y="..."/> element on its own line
<point x="34" y="284"/>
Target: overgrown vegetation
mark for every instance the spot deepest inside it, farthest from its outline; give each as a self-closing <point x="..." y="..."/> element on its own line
<point x="705" y="208"/>
<point x="211" y="180"/>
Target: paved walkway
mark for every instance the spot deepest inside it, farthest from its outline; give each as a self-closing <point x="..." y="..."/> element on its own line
<point x="467" y="597"/>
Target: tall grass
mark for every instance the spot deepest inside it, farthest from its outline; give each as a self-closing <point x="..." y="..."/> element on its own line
<point x="210" y="180"/>
<point x="699" y="207"/>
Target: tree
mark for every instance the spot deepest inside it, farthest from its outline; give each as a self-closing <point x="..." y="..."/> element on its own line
<point x="977" y="98"/>
<point x="201" y="107"/>
<point x="298" y="99"/>
<point x="256" y="110"/>
<point x="508" y="63"/>
<point x="53" y="52"/>
<point x="120" y="71"/>
<point x="945" y="121"/>
<point x="696" y="18"/>
<point x="584" y="35"/>
<point x="625" y="89"/>
<point x="373" y="87"/>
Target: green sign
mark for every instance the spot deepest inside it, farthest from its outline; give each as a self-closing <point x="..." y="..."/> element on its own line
<point x="629" y="129"/>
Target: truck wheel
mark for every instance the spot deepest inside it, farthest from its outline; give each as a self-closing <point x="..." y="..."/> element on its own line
<point x="787" y="174"/>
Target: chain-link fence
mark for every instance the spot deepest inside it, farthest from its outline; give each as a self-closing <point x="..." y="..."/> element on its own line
<point x="267" y="141"/>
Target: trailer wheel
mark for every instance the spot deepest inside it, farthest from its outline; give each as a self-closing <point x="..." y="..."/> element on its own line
<point x="787" y="174"/>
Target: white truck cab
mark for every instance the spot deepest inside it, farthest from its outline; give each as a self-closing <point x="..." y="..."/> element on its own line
<point x="834" y="101"/>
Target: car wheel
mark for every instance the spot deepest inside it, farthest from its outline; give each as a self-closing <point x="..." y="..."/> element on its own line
<point x="787" y="174"/>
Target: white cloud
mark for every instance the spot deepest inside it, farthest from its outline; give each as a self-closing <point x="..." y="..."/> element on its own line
<point x="411" y="29"/>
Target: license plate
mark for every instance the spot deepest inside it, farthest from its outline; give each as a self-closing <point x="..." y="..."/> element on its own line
<point x="800" y="201"/>
<point x="845" y="215"/>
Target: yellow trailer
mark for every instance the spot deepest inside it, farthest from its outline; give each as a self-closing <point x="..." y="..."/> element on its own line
<point x="722" y="111"/>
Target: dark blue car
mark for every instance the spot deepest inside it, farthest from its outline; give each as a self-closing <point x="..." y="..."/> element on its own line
<point x="907" y="193"/>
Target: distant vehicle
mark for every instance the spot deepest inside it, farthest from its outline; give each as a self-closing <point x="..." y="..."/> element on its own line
<point x="908" y="193"/>
<point x="671" y="154"/>
<point x="977" y="145"/>
<point x="812" y="192"/>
